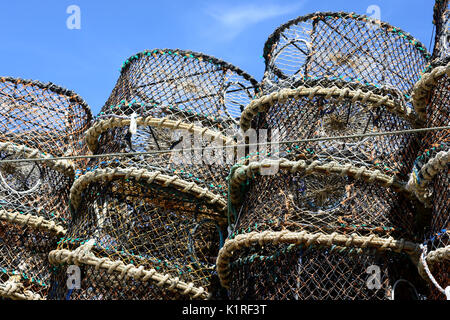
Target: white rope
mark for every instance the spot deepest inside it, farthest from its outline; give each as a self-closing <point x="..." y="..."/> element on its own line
<point x="423" y="260"/>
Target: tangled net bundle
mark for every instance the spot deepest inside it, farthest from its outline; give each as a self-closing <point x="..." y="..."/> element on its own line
<point x="151" y="225"/>
<point x="346" y="46"/>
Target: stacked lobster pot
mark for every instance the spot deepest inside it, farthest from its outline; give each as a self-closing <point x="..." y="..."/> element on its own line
<point x="37" y="121"/>
<point x="324" y="217"/>
<point x="441" y="20"/>
<point x="149" y="225"/>
<point x="430" y="175"/>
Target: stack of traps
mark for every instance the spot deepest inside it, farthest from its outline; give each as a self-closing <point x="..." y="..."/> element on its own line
<point x="38" y="121"/>
<point x="149" y="226"/>
<point x="430" y="177"/>
<point x="336" y="211"/>
<point x="333" y="220"/>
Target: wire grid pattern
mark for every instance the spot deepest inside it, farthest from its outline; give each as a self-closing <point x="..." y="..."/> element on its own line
<point x="441" y="19"/>
<point x="145" y="225"/>
<point x="324" y="203"/>
<point x="42" y="116"/>
<point x="289" y="272"/>
<point x="182" y="85"/>
<point x="346" y="46"/>
<point x="23" y="257"/>
<point x="307" y="117"/>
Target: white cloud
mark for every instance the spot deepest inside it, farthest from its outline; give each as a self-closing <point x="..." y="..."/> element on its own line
<point x="233" y="20"/>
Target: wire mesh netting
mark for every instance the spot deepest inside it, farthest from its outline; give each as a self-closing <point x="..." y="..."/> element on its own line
<point x="148" y="225"/>
<point x="441" y="19"/>
<point x="328" y="110"/>
<point x="42" y="116"/>
<point x="343" y="45"/>
<point x="281" y="272"/>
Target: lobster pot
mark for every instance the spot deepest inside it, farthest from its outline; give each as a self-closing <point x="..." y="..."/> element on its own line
<point x="171" y="232"/>
<point x="300" y="272"/>
<point x="346" y="46"/>
<point x="441" y="19"/>
<point x="24" y="268"/>
<point x="196" y="154"/>
<point x="42" y="116"/>
<point x="181" y="85"/>
<point x="318" y="201"/>
<point x="431" y="99"/>
<point x="315" y="112"/>
<point x="34" y="211"/>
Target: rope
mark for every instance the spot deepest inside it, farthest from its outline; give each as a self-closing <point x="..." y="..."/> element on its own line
<point x="438" y="255"/>
<point x="83" y="255"/>
<point x="424" y="86"/>
<point x="103" y="125"/>
<point x="127" y="154"/>
<point x="418" y="181"/>
<point x="63" y="166"/>
<point x="231" y="246"/>
<point x="31" y="220"/>
<point x="141" y="174"/>
<point x="245" y="172"/>
<point x="14" y="290"/>
<point x="263" y="103"/>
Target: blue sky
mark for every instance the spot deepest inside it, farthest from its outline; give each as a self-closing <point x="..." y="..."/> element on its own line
<point x="36" y="44"/>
